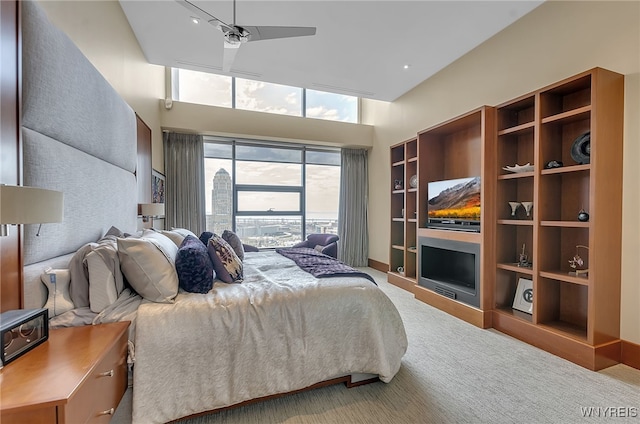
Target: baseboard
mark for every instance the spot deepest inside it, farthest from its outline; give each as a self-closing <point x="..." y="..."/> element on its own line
<point x="630" y="354"/>
<point x="377" y="265"/>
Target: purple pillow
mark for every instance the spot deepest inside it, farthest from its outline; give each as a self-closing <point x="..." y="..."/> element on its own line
<point x="194" y="267"/>
<point x="226" y="263"/>
<point x="205" y="236"/>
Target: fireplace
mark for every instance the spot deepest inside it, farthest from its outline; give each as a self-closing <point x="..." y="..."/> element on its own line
<point x="450" y="268"/>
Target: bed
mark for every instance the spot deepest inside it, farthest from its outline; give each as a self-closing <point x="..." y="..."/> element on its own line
<point x="278" y="331"/>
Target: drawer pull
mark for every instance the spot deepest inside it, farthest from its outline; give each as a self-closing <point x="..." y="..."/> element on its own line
<point x="107" y="412"/>
<point x="106" y="374"/>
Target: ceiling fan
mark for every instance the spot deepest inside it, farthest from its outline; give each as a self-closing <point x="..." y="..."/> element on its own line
<point x="235" y="35"/>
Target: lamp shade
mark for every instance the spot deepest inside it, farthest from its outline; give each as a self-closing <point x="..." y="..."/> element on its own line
<point x="152" y="209"/>
<point x="30" y="205"/>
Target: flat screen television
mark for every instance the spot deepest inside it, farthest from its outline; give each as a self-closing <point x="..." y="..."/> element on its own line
<point x="454" y="204"/>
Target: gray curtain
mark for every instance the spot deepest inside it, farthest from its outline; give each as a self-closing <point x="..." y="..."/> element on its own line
<point x="353" y="247"/>
<point x="184" y="179"/>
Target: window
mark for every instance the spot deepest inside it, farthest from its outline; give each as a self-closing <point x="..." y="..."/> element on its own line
<point x="266" y="97"/>
<point x="223" y="91"/>
<point x="330" y="106"/>
<point x="271" y="195"/>
<point x="201" y="88"/>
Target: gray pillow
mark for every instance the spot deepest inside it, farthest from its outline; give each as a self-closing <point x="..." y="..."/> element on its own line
<point x="235" y="243"/>
<point x="105" y="278"/>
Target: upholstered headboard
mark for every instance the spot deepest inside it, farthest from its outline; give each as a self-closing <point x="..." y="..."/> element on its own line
<point x="78" y="137"/>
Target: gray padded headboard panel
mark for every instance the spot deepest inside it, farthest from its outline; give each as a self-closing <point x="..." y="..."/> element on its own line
<point x="79" y="137"/>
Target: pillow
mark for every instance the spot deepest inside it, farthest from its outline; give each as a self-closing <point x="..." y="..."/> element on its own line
<point x="176" y="238"/>
<point x="168" y="247"/>
<point x="147" y="268"/>
<point x="226" y="263"/>
<point x="194" y="267"/>
<point x="235" y="243"/>
<point x="57" y="282"/>
<point x="205" y="236"/>
<point x="319" y="247"/>
<point x="114" y="231"/>
<point x="105" y="278"/>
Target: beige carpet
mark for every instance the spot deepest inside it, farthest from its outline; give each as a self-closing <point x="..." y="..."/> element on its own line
<point x="454" y="372"/>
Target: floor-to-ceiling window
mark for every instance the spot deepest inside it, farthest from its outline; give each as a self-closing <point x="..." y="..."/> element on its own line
<point x="271" y="194"/>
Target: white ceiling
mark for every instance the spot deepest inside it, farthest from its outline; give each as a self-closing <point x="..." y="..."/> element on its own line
<point x="359" y="49"/>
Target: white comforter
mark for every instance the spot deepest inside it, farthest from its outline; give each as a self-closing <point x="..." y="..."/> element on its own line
<point x="278" y="331"/>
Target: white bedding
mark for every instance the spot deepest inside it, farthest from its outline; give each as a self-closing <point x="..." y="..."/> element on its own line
<point x="280" y="330"/>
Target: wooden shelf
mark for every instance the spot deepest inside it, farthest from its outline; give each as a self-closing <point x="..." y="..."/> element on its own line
<point x="468" y="237"/>
<point x="515" y="268"/>
<point x="565" y="277"/>
<point x="568" y="329"/>
<point x="404" y="164"/>
<point x="528" y="223"/>
<point x="519" y="129"/>
<point x="565" y="224"/>
<point x="513" y="313"/>
<point x="566" y="169"/>
<point x="515" y="175"/>
<point x="578" y="114"/>
<point x="575" y="317"/>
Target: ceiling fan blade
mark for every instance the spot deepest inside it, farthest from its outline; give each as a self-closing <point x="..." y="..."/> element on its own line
<point x="229" y="54"/>
<point x="271" y="32"/>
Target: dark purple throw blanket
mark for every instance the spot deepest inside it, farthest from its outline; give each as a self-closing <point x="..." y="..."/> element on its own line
<point x="320" y="265"/>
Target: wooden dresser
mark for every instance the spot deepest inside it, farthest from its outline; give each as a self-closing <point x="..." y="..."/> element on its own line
<point x="78" y="375"/>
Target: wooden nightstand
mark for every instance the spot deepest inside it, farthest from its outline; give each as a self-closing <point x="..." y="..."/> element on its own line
<point x="78" y="375"/>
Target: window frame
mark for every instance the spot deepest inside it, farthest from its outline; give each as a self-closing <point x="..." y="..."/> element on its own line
<point x="301" y="189"/>
<point x="175" y="95"/>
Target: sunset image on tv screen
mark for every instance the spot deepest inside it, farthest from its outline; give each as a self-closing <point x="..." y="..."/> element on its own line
<point x="455" y="199"/>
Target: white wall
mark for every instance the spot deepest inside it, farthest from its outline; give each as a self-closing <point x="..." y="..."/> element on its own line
<point x="555" y="41"/>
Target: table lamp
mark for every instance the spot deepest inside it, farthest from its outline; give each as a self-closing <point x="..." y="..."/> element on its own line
<point x="150" y="211"/>
<point x="29" y="205"/>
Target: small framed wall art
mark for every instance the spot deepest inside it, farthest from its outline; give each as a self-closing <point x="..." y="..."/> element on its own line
<point x="523" y="300"/>
<point x="157" y="187"/>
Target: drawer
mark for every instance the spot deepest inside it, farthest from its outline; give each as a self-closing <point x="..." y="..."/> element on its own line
<point x="39" y="415"/>
<point x="97" y="398"/>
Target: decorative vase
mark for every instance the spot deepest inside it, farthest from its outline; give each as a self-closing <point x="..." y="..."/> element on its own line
<point x="514" y="207"/>
<point x="527" y="207"/>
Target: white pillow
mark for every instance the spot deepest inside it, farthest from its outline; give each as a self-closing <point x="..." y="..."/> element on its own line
<point x="57" y="282"/>
<point x="177" y="235"/>
<point x="148" y="268"/>
<point x="167" y="246"/>
<point x="105" y="278"/>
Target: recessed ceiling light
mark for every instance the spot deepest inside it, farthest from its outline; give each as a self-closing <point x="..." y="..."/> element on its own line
<point x="195" y="20"/>
<point x="405" y="67"/>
